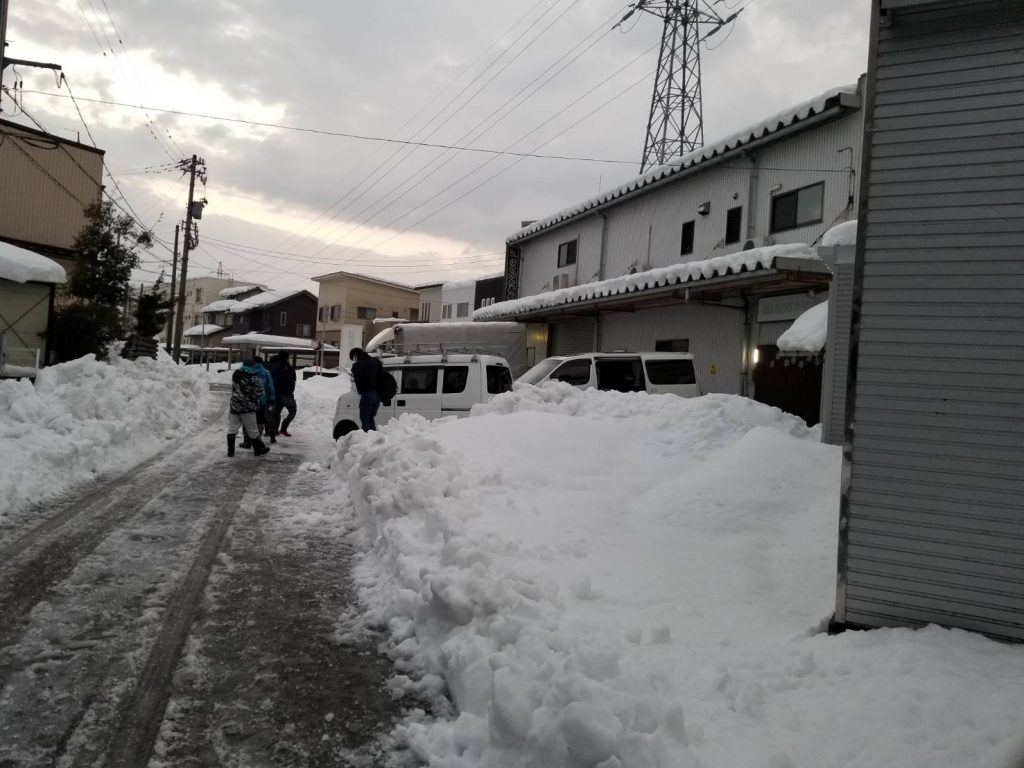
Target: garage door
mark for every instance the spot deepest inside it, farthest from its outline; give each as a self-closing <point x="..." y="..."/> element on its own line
<point x="572" y="337"/>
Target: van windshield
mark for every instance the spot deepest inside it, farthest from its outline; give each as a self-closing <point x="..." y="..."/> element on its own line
<point x="539" y="372"/>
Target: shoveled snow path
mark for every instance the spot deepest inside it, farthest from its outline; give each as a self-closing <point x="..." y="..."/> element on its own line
<point x="97" y="605"/>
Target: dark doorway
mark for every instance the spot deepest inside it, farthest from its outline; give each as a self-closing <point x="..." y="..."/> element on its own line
<point x="790" y="383"/>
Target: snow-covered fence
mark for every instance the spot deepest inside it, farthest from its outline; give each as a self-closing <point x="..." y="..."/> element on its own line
<point x="17" y="361"/>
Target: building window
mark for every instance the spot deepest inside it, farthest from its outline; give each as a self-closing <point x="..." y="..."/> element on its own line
<point x="425" y="311"/>
<point x="284" y="319"/>
<point x="733" y="224"/>
<point x="488" y="301"/>
<point x="463" y="309"/>
<point x="414" y="315"/>
<point x="686" y="246"/>
<point x="335" y="311"/>
<point x="304" y="330"/>
<point x="366" y="313"/>
<point x="321" y="314"/>
<point x="394" y="315"/>
<point x="798" y="208"/>
<point x="672" y="345"/>
<point x="567" y="254"/>
<point x="199" y="295"/>
<point x="446" y="311"/>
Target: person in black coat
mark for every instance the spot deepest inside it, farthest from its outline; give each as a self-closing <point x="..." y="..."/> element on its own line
<point x="284" y="390"/>
<point x="366" y="374"/>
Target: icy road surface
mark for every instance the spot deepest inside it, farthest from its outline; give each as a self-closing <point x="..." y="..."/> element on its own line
<point x="177" y="616"/>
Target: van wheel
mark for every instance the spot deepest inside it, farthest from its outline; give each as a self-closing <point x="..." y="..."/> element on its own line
<point x="342" y="428"/>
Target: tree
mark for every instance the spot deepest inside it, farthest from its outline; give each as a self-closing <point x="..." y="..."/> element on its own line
<point x="100" y="282"/>
<point x="151" y="310"/>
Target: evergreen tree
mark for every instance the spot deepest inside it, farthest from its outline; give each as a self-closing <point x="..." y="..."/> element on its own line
<point x="100" y="282"/>
<point x="151" y="310"/>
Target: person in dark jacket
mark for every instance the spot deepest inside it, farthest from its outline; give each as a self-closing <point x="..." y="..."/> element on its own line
<point x="246" y="393"/>
<point x="284" y="391"/>
<point x="366" y="373"/>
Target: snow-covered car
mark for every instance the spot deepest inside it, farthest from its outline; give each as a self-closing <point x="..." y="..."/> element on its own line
<point x="432" y="386"/>
<point x="654" y="372"/>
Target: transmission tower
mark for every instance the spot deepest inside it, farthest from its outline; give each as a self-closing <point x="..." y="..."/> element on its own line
<point x="676" y="122"/>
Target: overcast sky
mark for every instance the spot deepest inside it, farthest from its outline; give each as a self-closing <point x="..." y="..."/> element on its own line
<point x="286" y="204"/>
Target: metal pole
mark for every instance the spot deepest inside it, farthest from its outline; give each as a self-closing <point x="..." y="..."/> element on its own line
<point x="174" y="278"/>
<point x="184" y="257"/>
<point x="3" y="36"/>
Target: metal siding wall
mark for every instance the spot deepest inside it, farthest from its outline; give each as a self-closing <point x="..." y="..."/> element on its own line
<point x="935" y="519"/>
<point x="768" y="333"/>
<point x="540" y="255"/>
<point x="837" y="353"/>
<point x="715" y="334"/>
<point x="572" y="336"/>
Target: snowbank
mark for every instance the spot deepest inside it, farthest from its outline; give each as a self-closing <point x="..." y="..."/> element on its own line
<point x="86" y="417"/>
<point x="808" y="332"/>
<point x="605" y="579"/>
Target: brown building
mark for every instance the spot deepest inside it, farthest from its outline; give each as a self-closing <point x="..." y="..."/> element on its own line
<point x="289" y="313"/>
<point x="349" y="304"/>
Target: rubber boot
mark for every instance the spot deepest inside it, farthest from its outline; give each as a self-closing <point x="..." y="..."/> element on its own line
<point x="259" y="447"/>
<point x="231" y="445"/>
<point x="246" y="442"/>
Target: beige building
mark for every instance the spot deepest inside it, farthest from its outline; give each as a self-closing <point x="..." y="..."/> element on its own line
<point x="349" y="303"/>
<point x="46" y="183"/>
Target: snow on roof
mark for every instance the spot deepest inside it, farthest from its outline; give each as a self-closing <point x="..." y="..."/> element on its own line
<point x="235" y="290"/>
<point x="841" y="234"/>
<point x="808" y="332"/>
<point x="457" y="285"/>
<point x="267" y="340"/>
<point x="842" y="96"/>
<point x="21" y="265"/>
<point x="733" y="263"/>
<point x="237" y="306"/>
<point x="202" y="330"/>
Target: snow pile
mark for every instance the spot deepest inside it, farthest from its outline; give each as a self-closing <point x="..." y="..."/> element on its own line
<point x="808" y="332"/>
<point x="264" y="299"/>
<point x="238" y="290"/>
<point x="21" y="265"/>
<point x="86" y="417"/>
<point x="718" y="266"/>
<point x="202" y="330"/>
<point x="269" y="340"/>
<point x="841" y="234"/>
<point x="605" y="579"/>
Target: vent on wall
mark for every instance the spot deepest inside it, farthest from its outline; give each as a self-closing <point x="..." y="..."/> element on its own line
<point x="757" y="242"/>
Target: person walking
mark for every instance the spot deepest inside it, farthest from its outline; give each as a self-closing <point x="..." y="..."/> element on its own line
<point x="283" y="375"/>
<point x="246" y="392"/>
<point x="366" y="373"/>
<point x="264" y="416"/>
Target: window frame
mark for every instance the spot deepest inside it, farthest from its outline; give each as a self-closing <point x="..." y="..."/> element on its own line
<point x="366" y="313"/>
<point x="462" y="309"/>
<point x="685" y="250"/>
<point x="566" y="363"/>
<point x="464" y="370"/>
<point x="405" y="371"/>
<point x="795" y="193"/>
<point x="499" y="379"/>
<point x="569" y="246"/>
<point x="738" y="210"/>
<point x="283" y="319"/>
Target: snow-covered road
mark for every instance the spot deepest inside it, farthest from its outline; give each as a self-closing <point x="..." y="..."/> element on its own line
<point x="179" y="615"/>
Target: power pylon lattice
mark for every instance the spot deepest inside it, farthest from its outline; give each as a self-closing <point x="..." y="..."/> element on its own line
<point x="676" y="122"/>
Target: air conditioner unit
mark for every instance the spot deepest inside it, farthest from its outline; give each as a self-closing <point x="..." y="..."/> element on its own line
<point x="561" y="281"/>
<point x="757" y="242"/>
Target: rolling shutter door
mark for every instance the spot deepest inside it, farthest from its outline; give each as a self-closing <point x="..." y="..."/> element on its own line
<point x="935" y="520"/>
<point x="572" y="336"/>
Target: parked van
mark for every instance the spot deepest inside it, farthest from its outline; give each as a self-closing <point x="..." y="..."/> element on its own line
<point x="432" y="386"/>
<point x="654" y="372"/>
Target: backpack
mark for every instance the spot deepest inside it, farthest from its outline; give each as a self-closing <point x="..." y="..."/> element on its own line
<point x="387" y="386"/>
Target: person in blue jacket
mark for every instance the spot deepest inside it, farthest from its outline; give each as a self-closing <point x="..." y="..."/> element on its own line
<point x="263" y="415"/>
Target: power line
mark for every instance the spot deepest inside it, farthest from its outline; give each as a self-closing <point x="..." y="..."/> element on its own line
<point x="340" y="134"/>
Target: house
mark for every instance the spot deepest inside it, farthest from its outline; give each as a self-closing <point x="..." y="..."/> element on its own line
<point x="249" y="309"/>
<point x="430" y="302"/>
<point x="457" y="299"/>
<point x="46" y="183"/>
<point x="28" y="286"/>
<point x="348" y="304"/>
<point x="489" y="290"/>
<point x="200" y="291"/>
<point x="710" y="253"/>
<point x="931" y="518"/>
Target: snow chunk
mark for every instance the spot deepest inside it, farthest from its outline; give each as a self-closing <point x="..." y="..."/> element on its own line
<point x="202" y="330"/>
<point x="808" y="332"/>
<point x="236" y="290"/>
<point x="269" y="340"/>
<point x="21" y="265"/>
<point x="841" y="234"/>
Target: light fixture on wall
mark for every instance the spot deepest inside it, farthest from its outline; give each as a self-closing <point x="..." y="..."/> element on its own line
<point x="704" y="208"/>
<point x="756" y="356"/>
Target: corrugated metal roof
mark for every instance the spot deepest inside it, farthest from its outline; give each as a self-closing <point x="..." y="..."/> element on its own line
<point x="845" y="96"/>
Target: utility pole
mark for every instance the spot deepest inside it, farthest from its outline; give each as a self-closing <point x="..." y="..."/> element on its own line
<point x="675" y="125"/>
<point x="6" y="60"/>
<point x="191" y="241"/>
<point x="171" y="324"/>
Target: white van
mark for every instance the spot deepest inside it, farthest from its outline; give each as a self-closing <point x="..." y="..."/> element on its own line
<point x="432" y="386"/>
<point x="653" y="372"/>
